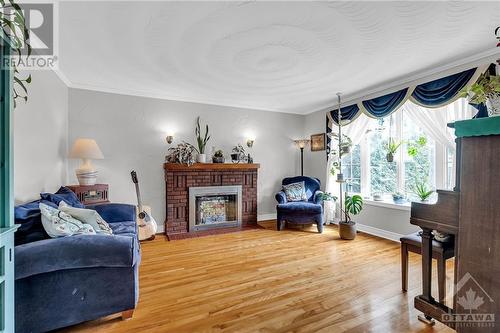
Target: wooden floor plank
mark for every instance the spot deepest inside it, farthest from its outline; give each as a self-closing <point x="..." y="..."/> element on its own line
<point x="262" y="280"/>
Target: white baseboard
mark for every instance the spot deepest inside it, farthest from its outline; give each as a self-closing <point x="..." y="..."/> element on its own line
<point x="266" y="217"/>
<point x="379" y="232"/>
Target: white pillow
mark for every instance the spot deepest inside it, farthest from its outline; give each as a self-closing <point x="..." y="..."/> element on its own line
<point x="88" y="216"/>
<point x="60" y="224"/>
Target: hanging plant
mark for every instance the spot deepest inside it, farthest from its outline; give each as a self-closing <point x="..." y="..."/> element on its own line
<point x="14" y="29"/>
<point x="392" y="147"/>
<point x="413" y="147"/>
<point x="486" y="87"/>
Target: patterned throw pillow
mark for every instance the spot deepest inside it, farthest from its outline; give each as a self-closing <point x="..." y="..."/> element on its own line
<point x="60" y="224"/>
<point x="88" y="216"/>
<point x="295" y="192"/>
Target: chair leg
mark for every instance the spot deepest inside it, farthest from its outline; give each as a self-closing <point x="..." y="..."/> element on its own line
<point x="441" y="268"/>
<point x="127" y="314"/>
<point x="279" y="224"/>
<point x="404" y="267"/>
<point x="319" y="224"/>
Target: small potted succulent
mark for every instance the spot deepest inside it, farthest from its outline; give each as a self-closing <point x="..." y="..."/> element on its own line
<point x="486" y="90"/>
<point x="353" y="206"/>
<point x="218" y="157"/>
<point x="392" y="147"/>
<point x="238" y="154"/>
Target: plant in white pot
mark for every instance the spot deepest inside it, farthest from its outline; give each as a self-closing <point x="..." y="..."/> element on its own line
<point x="486" y="90"/>
<point x="202" y="141"/>
<point x="353" y="206"/>
<point x="328" y="201"/>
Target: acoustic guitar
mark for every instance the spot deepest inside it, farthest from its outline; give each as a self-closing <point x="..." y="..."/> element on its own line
<point x="147" y="224"/>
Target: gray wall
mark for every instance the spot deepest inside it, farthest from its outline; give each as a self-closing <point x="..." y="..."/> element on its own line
<point x="131" y="133"/>
<point x="315" y="161"/>
<point x="40" y="137"/>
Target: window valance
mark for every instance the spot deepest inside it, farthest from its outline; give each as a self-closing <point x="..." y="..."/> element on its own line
<point x="431" y="94"/>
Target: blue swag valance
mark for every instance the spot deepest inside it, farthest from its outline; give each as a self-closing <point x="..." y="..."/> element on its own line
<point x="431" y="94"/>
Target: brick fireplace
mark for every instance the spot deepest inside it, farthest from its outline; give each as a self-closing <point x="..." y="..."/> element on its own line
<point x="180" y="178"/>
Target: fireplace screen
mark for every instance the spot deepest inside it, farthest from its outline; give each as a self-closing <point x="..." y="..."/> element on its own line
<point x="216" y="209"/>
<point x="214" y="206"/>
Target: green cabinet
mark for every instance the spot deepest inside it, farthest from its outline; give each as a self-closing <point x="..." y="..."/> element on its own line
<point x="7" y="227"/>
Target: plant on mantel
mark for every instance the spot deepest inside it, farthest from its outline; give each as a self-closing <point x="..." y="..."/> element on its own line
<point x="14" y="29"/>
<point x="201" y="139"/>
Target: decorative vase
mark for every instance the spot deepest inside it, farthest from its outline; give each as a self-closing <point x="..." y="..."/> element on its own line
<point x="390" y="157"/>
<point x="493" y="105"/>
<point x="202" y="158"/>
<point x="347" y="230"/>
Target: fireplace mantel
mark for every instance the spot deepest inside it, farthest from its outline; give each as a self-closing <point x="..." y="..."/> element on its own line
<point x="211" y="166"/>
<point x="180" y="177"/>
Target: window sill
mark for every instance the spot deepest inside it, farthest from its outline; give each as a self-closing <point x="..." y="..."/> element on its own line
<point x="388" y="203"/>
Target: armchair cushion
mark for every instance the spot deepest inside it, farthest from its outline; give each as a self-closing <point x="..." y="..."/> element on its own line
<point x="311" y="184"/>
<point x="300" y="207"/>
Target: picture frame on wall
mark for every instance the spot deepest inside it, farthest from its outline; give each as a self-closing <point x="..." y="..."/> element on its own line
<point x="318" y="142"/>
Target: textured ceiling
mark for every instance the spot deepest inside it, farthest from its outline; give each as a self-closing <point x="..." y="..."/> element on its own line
<point x="278" y="56"/>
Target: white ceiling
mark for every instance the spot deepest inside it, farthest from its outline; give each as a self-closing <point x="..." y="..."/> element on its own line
<point x="277" y="56"/>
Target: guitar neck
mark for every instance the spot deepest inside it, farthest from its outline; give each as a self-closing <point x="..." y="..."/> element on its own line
<point x="139" y="200"/>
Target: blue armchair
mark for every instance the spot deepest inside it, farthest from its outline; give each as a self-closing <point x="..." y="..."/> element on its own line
<point x="301" y="212"/>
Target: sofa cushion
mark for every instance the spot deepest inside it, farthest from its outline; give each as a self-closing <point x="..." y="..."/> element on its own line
<point x="300" y="207"/>
<point x="61" y="224"/>
<point x="126" y="228"/>
<point x="28" y="216"/>
<point x="81" y="251"/>
<point x="63" y="194"/>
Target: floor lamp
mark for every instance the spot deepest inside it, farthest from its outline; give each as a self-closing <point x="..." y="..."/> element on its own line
<point x="302" y="143"/>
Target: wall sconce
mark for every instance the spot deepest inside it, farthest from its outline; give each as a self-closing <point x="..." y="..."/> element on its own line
<point x="170" y="138"/>
<point x="250" y="143"/>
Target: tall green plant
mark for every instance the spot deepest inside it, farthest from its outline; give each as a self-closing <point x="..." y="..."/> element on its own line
<point x="202" y="141"/>
<point x="15" y="32"/>
<point x="423" y="191"/>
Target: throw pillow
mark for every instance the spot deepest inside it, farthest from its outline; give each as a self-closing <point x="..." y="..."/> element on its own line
<point x="88" y="216"/>
<point x="295" y="192"/>
<point x="60" y="224"/>
<point x="63" y="194"/>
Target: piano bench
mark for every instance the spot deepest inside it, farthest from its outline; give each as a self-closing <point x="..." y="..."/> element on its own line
<point x="441" y="251"/>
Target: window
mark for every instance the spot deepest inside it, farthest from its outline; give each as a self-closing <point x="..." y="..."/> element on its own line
<point x="351" y="168"/>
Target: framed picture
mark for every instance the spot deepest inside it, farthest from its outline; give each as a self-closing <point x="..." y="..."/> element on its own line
<point x="318" y="142"/>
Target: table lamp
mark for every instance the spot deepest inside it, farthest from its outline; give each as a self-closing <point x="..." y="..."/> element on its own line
<point x="87" y="150"/>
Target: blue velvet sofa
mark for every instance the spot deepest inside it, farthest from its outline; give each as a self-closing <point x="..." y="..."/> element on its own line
<point x="301" y="212"/>
<point x="69" y="280"/>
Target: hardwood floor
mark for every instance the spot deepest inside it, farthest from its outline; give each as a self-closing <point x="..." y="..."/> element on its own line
<point x="269" y="281"/>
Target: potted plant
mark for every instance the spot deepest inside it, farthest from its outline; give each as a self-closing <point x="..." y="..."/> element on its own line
<point x="183" y="153"/>
<point x="392" y="147"/>
<point x="202" y="141"/>
<point x="218" y="157"/>
<point x="398" y="197"/>
<point x="423" y="191"/>
<point x="328" y="202"/>
<point x="486" y="90"/>
<point x="353" y="206"/>
<point x="238" y="153"/>
<point x="414" y="146"/>
<point x="346" y="144"/>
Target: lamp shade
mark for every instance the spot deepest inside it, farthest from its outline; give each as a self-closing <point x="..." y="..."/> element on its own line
<point x="301" y="143"/>
<point x="86" y="148"/>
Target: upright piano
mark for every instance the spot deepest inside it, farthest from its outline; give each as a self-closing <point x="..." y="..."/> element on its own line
<point x="471" y="212"/>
